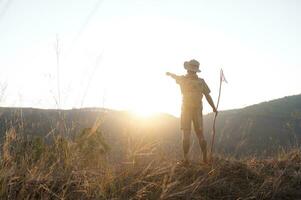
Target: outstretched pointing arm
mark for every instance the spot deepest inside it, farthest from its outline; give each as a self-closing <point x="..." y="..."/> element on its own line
<point x="172" y="75"/>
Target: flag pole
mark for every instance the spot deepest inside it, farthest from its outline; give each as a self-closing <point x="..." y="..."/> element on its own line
<point x="215" y="116"/>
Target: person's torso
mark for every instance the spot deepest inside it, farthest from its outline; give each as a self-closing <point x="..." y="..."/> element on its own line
<point x="192" y="91"/>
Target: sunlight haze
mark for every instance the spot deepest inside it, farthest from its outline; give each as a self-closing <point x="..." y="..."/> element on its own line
<point x="114" y="54"/>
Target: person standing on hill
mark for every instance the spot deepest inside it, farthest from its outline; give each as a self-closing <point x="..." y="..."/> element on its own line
<point x="193" y="88"/>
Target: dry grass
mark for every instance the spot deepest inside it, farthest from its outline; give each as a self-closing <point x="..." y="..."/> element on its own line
<point x="78" y="169"/>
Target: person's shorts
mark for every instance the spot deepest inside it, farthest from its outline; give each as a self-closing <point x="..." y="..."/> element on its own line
<point x="192" y="115"/>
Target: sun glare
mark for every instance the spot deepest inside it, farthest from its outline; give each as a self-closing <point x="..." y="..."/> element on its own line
<point x="143" y="113"/>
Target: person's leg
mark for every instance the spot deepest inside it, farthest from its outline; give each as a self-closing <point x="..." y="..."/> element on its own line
<point x="186" y="119"/>
<point x="186" y="144"/>
<point x="202" y="143"/>
<point x="198" y="128"/>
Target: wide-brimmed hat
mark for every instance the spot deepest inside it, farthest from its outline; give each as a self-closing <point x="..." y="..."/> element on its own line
<point x="192" y="65"/>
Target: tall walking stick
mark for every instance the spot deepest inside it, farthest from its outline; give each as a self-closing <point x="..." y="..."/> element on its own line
<point x="221" y="80"/>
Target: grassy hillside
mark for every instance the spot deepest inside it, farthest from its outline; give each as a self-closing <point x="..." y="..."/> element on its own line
<point x="105" y="154"/>
<point x="79" y="169"/>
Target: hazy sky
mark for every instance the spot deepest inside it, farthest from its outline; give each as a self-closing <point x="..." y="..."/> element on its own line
<point x="115" y="53"/>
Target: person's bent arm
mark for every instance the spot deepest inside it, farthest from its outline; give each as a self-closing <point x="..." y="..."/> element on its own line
<point x="210" y="101"/>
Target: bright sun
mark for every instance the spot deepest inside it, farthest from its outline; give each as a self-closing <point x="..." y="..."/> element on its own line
<point x="144" y="112"/>
<point x="155" y="101"/>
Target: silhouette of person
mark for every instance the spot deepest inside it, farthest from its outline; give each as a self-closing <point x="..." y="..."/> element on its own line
<point x="193" y="88"/>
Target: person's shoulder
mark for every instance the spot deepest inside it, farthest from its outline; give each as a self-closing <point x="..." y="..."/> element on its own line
<point x="179" y="78"/>
<point x="204" y="85"/>
<point x="202" y="80"/>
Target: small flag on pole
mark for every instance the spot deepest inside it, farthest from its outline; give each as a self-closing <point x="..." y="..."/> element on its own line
<point x="223" y="78"/>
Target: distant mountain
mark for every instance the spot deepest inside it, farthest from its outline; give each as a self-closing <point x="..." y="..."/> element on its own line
<point x="121" y="129"/>
<point x="258" y="129"/>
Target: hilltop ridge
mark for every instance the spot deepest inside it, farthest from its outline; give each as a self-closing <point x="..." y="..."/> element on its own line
<point x="259" y="129"/>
